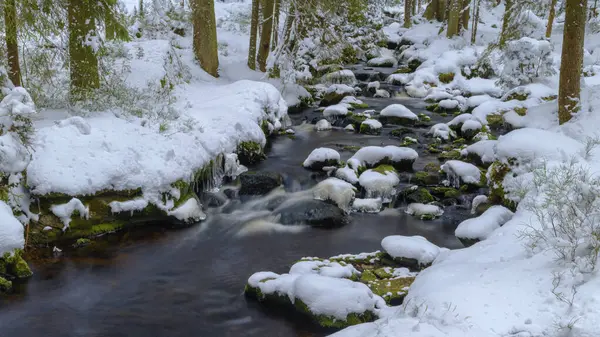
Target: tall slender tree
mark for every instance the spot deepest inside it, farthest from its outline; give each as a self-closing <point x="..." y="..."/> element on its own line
<point x="506" y="20"/>
<point x="205" y="35"/>
<point x="408" y="13"/>
<point x="265" y="33"/>
<point x="253" y="34"/>
<point x="551" y="18"/>
<point x="83" y="61"/>
<point x="571" y="59"/>
<point x="475" y="22"/>
<point x="12" y="46"/>
<point x="276" y="12"/>
<point x="465" y="15"/>
<point x="454" y="18"/>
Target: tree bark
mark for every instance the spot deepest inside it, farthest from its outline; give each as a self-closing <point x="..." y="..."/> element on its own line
<point x="253" y="34"/>
<point x="276" y="12"/>
<point x="205" y="36"/>
<point x="407" y="13"/>
<point x="475" y="23"/>
<point x="454" y="18"/>
<point x="82" y="56"/>
<point x="551" y="18"/>
<point x="465" y="15"/>
<point x="572" y="60"/>
<point x="265" y="34"/>
<point x="506" y="22"/>
<point x="12" y="46"/>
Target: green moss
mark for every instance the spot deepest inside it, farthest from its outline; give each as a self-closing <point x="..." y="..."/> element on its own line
<point x="521" y="111"/>
<point x="449" y="155"/>
<point x="407" y="141"/>
<point x="414" y="64"/>
<point x="400" y="132"/>
<point x="264" y="126"/>
<point x="517" y="95"/>
<point x="432" y="167"/>
<point x="250" y="153"/>
<point x="332" y="322"/>
<point x="549" y="98"/>
<point x="495" y="120"/>
<point x="420" y="195"/>
<point x="392" y="291"/>
<point x="359" y="105"/>
<point x="427" y="178"/>
<point x="496" y="173"/>
<point x="383" y="169"/>
<point x="16" y="266"/>
<point x="424" y="118"/>
<point x="368" y="130"/>
<point x="82" y="242"/>
<point x="446" y="77"/>
<point x="5" y="285"/>
<point x="367" y="275"/>
<point x="403" y="70"/>
<point x="445" y="192"/>
<point x="459" y="141"/>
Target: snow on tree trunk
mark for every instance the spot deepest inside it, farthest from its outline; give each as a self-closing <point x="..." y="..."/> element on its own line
<point x="551" y="18"/>
<point x="506" y="19"/>
<point x="465" y="15"/>
<point x="12" y="48"/>
<point x="205" y="36"/>
<point x="253" y="32"/>
<point x="475" y="23"/>
<point x="276" y="10"/>
<point x="83" y="44"/>
<point x="572" y="59"/>
<point x="407" y="13"/>
<point x="436" y="10"/>
<point x="265" y="34"/>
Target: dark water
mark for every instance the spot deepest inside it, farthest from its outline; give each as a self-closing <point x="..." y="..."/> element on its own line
<point x="190" y="282"/>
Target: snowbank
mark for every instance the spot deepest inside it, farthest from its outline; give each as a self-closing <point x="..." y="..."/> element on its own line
<point x="410" y="247"/>
<point x="481" y="227"/>
<point x="11" y="230"/>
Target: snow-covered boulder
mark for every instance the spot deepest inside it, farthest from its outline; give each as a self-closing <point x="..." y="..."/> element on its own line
<point x="480" y="228"/>
<point x="481" y="153"/>
<point x="323" y="125"/>
<point x="335" y="93"/>
<point x="343" y="76"/>
<point x="460" y="172"/>
<point x="457" y="122"/>
<point x="414" y="251"/>
<point x="401" y="158"/>
<point x="477" y="202"/>
<point x="369" y="205"/>
<point x="330" y="301"/>
<point x="470" y="128"/>
<point x="350" y="128"/>
<point x="321" y="157"/>
<point x="370" y="127"/>
<point x="423" y="211"/>
<point x="379" y="182"/>
<point x="11" y="230"/>
<point x="353" y="102"/>
<point x="336" y="190"/>
<point x="336" y="110"/>
<point x="398" y="114"/>
<point x="381" y="93"/>
<point x="383" y="61"/>
<point x="347" y="174"/>
<point x="442" y="131"/>
<point x="416" y="91"/>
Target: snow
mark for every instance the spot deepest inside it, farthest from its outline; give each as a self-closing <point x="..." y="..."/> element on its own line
<point x="373" y="155"/>
<point x="461" y="172"/>
<point x="372" y="123"/>
<point x="121" y="155"/>
<point x="349" y="127"/>
<point x="323" y="268"/>
<point x="420" y="210"/>
<point x="482" y="226"/>
<point x="369" y="205"/>
<point x="340" y="89"/>
<point x="448" y="104"/>
<point x="484" y="149"/>
<point x="398" y="110"/>
<point x="190" y="211"/>
<point x="379" y="185"/>
<point x="340" y="109"/>
<point x="443" y="131"/>
<point x="65" y="211"/>
<point x="14" y="155"/>
<point x="321" y="155"/>
<point x="334" y="189"/>
<point x="128" y="206"/>
<point x="531" y="144"/>
<point x="410" y="247"/>
<point x="382" y="93"/>
<point x="470" y="125"/>
<point x="323" y="125"/>
<point x="351" y="100"/>
<point x="460" y="119"/>
<point x="343" y="76"/>
<point x="11" y="230"/>
<point x="383" y="61"/>
<point x="478" y="200"/>
<point x="347" y="174"/>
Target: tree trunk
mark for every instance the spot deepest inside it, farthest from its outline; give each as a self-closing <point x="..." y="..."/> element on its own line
<point x="82" y="57"/>
<point x="12" y="46"/>
<point x="506" y="22"/>
<point x="594" y="11"/>
<point x="253" y="32"/>
<point x="276" y="11"/>
<point x="431" y="10"/>
<point x="475" y="23"/>
<point x="141" y="11"/>
<point x="265" y="34"/>
<point x="454" y="18"/>
<point x="465" y="15"/>
<point x="205" y="35"/>
<point x="413" y="5"/>
<point x="551" y="18"/>
<point x="407" y="13"/>
<point x="571" y="59"/>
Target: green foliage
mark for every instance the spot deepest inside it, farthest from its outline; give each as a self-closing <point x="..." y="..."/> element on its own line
<point x="446" y="77"/>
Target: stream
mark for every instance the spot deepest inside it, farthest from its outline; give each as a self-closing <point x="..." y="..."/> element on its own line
<point x="190" y="282"/>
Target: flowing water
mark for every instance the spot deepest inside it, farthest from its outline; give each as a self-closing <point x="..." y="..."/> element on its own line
<point x="190" y="282"/>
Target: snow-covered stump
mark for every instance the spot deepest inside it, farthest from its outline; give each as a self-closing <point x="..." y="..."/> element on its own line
<point x="401" y="158"/>
<point x="398" y="114"/>
<point x="320" y="158"/>
<point x="414" y="252"/>
<point x="480" y="228"/>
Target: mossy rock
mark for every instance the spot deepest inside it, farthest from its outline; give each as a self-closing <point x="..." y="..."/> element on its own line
<point x="495" y="121"/>
<point x="250" y="153"/>
<point x="496" y="174"/>
<point x="404" y="70"/>
<point x="359" y="105"/>
<point x="82" y="242"/>
<point x="427" y="178"/>
<point x="446" y="77"/>
<point x="401" y="132"/>
<point x="411" y="264"/>
<point x="408" y="141"/>
<point x="366" y="129"/>
<point x="521" y="111"/>
<point x="414" y="64"/>
<point x="332" y="98"/>
<point x="5" y="285"/>
<point x="432" y="167"/>
<point x="449" y="155"/>
<point x="397" y="120"/>
<point x="393" y="291"/>
<point x="14" y="265"/>
<point x="420" y="195"/>
<point x="424" y="118"/>
<point x="445" y="192"/>
<point x="517" y="95"/>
